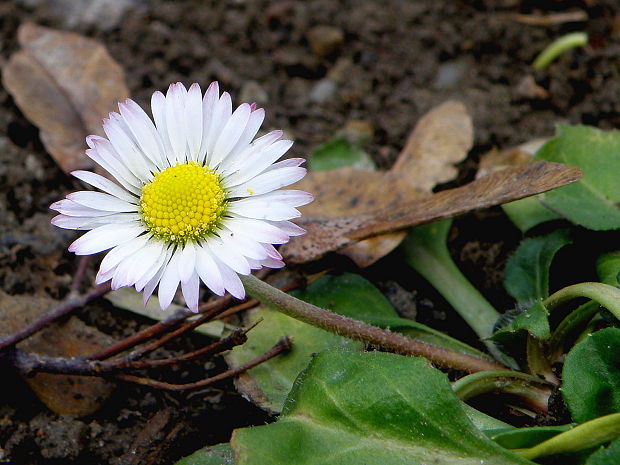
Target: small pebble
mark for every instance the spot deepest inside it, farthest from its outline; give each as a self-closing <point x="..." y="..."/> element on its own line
<point x="325" y="40"/>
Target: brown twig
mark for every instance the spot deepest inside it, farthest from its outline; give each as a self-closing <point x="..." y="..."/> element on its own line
<point x="551" y="19"/>
<point x="157" y="329"/>
<point x="283" y="345"/>
<point x="28" y="363"/>
<point x="235" y="338"/>
<point x="79" y="275"/>
<point x="210" y="310"/>
<point x="67" y="306"/>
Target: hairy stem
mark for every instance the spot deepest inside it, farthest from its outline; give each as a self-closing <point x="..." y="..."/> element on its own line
<point x="354" y="329"/>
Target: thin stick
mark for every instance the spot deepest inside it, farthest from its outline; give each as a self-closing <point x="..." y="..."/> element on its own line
<point x="67" y="306"/>
<point x="152" y="345"/>
<point x="237" y="337"/>
<point x="354" y="329"/>
<point x="27" y="363"/>
<point x="79" y="275"/>
<point x="283" y="345"/>
<point x="156" y="329"/>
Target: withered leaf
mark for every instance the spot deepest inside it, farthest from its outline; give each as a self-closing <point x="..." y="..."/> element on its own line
<point x="440" y="139"/>
<point x="330" y="234"/>
<point x="497" y="160"/>
<point x="63" y="394"/>
<point x="64" y="83"/>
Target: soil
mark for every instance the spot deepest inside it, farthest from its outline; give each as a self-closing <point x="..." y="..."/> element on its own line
<point x="382" y="62"/>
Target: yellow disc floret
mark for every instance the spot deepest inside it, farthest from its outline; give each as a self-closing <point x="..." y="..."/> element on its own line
<point x="183" y="203"/>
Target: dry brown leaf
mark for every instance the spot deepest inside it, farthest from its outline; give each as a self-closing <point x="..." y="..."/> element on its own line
<point x="63" y="394"/>
<point x="330" y="234"/>
<point x="64" y="83"/>
<point x="497" y="160"/>
<point x="440" y="139"/>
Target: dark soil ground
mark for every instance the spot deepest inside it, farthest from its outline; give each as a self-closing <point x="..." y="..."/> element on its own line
<point x="397" y="59"/>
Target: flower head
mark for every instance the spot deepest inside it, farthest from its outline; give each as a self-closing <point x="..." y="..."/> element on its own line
<point x="197" y="196"/>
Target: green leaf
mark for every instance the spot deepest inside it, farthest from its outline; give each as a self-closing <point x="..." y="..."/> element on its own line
<point x="529" y="212"/>
<point x="268" y="384"/>
<point x="608" y="268"/>
<point x="527" y="272"/>
<point x="594" y="200"/>
<point x="580" y="438"/>
<point x="220" y="454"/>
<point x="519" y="438"/>
<point x="128" y="299"/>
<point x="348" y="294"/>
<point x="340" y="151"/>
<point x="606" y="455"/>
<point x="591" y="376"/>
<point x="484" y="422"/>
<point x="533" y="319"/>
<point x="373" y="408"/>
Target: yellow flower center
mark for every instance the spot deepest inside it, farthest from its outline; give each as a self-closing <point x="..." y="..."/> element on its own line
<point x="183" y="203"/>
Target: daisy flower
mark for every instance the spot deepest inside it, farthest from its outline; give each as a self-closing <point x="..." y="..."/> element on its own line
<point x="197" y="197"/>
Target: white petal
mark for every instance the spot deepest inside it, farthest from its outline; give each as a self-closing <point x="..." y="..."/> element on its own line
<point x="187" y="261"/>
<point x="107" y="151"/>
<point x="126" y="148"/>
<point x="86" y="222"/>
<point x="258" y="230"/>
<point x="158" y="107"/>
<point x="267" y="182"/>
<point x="105" y="185"/>
<point x="120" y="252"/>
<point x="208" y="271"/>
<point x="268" y="138"/>
<point x="272" y="252"/>
<point x="272" y="263"/>
<point x="131" y="185"/>
<point x="248" y="247"/>
<point x="211" y="97"/>
<point x="254" y="264"/>
<point x="289" y="162"/>
<point x="175" y="121"/>
<point x="228" y="255"/>
<point x="289" y="228"/>
<point x="231" y="280"/>
<point x="152" y="284"/>
<point x="241" y="150"/>
<point x="131" y="269"/>
<point x="193" y="118"/>
<point x="162" y="257"/>
<point x="259" y="162"/>
<point x="262" y="209"/>
<point x="101" y="201"/>
<point x="70" y="208"/>
<point x="144" y="131"/>
<point x="105" y="237"/>
<point x="230" y="134"/>
<point x="169" y="281"/>
<point x="292" y="198"/>
<point x="236" y="162"/>
<point x="191" y="292"/>
<point x="222" y="110"/>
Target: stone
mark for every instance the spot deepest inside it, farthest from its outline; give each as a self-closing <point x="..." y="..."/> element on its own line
<point x="325" y="41"/>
